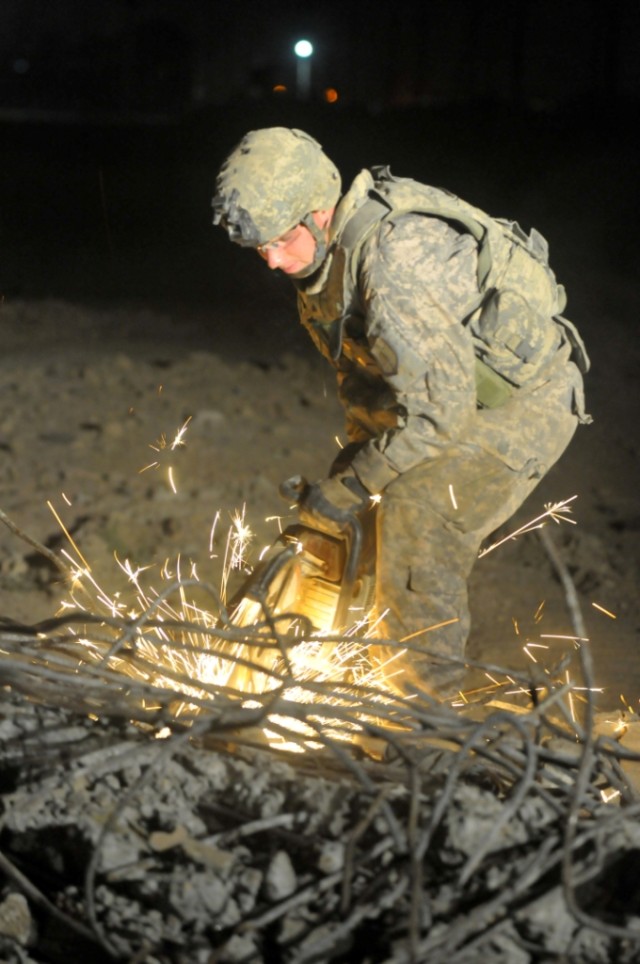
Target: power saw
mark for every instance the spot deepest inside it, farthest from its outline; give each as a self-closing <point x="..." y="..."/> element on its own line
<point x="320" y="577"/>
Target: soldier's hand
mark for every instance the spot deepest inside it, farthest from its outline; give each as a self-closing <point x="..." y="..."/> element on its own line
<point x="333" y="502"/>
<point x="342" y="462"/>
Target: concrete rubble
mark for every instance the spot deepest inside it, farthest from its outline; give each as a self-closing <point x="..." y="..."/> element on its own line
<point x="172" y="850"/>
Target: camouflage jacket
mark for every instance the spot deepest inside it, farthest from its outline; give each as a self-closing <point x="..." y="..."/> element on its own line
<point x="443" y="325"/>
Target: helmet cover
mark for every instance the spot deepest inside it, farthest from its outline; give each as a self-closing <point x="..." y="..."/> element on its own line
<point x="271" y="182"/>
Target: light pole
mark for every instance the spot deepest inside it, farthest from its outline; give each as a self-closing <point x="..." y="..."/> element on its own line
<point x="303" y="50"/>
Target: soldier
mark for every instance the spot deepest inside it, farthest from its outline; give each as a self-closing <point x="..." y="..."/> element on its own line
<point x="461" y="380"/>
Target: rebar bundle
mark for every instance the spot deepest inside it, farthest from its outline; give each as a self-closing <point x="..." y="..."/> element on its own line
<point x="152" y="816"/>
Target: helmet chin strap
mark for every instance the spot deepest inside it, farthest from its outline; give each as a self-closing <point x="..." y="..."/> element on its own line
<point x="319" y="236"/>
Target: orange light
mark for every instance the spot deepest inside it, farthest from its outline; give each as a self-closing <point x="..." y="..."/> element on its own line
<point x="331" y="95"/>
<point x="279" y="89"/>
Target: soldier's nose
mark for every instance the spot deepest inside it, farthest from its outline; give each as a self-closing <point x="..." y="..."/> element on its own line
<point x="274" y="257"/>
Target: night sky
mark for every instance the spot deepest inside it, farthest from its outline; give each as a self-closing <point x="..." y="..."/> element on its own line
<point x="166" y="55"/>
<point x="115" y="115"/>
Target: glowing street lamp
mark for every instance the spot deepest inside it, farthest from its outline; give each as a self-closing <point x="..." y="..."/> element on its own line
<point x="303" y="50"/>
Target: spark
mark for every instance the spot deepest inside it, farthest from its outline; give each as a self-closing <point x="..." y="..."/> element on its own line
<point x="571" y="703"/>
<point x="626" y="704"/>
<point x="240" y="538"/>
<point x="68" y="535"/>
<point x="78" y="580"/>
<point x="133" y="575"/>
<point x="373" y="674"/>
<point x="212" y="532"/>
<point x="609" y="795"/>
<point x="452" y="496"/>
<point x="573" y="639"/>
<point x="556" y="511"/>
<point x="429" y="629"/>
<point x="179" y="437"/>
<point x="162" y="445"/>
<point x="603" y="610"/>
<point x="66" y="499"/>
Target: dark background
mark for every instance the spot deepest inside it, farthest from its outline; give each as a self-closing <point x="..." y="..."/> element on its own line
<point x="114" y="117"/>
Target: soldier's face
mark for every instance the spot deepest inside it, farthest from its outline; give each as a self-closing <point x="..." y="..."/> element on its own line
<point x="295" y="250"/>
<point x="292" y="252"/>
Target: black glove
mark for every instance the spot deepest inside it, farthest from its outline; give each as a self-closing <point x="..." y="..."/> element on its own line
<point x="342" y="462"/>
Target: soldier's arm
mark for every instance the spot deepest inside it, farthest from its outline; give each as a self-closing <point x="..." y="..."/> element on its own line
<point x="417" y="284"/>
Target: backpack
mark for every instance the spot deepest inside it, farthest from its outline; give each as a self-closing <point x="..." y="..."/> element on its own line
<point x="517" y="324"/>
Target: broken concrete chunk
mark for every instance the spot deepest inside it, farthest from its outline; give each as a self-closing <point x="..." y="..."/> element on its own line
<point x="15" y="919"/>
<point x="280" y="879"/>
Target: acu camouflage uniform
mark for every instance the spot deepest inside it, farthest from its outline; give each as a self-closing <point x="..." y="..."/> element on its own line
<point x="461" y="384"/>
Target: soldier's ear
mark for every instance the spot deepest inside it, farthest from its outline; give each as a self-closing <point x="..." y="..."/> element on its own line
<point x="323" y="218"/>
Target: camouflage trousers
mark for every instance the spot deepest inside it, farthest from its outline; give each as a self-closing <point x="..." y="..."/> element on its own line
<point x="431" y="523"/>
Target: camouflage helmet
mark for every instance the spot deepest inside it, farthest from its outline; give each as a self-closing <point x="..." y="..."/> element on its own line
<point x="271" y="182"/>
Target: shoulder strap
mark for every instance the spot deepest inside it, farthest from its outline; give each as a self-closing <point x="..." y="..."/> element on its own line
<point x="361" y="224"/>
<point x="397" y="196"/>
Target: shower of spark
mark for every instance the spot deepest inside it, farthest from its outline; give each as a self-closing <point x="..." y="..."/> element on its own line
<point x="177" y="648"/>
<point x="183" y="640"/>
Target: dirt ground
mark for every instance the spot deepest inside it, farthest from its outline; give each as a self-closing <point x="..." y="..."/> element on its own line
<point x="107" y="351"/>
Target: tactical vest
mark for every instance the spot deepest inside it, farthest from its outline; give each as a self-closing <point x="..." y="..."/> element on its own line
<point x="516" y="325"/>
